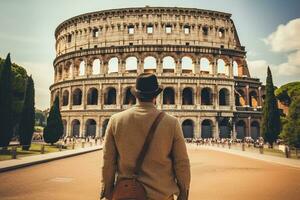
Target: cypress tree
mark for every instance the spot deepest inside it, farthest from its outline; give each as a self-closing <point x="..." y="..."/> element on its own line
<point x="291" y="130"/>
<point x="271" y="116"/>
<point x="54" y="128"/>
<point x="6" y="118"/>
<point x="26" y="128"/>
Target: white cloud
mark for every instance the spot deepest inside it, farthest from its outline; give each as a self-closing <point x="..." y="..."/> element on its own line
<point x="258" y="68"/>
<point x="286" y="37"/>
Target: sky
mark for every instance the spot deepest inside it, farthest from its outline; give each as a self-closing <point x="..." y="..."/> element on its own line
<point x="269" y="29"/>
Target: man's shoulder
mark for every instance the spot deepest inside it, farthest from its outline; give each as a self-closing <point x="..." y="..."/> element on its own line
<point x="123" y="113"/>
<point x="170" y="118"/>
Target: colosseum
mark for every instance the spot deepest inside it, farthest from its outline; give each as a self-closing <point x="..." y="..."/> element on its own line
<point x="196" y="54"/>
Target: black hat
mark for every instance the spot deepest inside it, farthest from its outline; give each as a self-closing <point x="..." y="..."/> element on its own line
<point x="146" y="86"/>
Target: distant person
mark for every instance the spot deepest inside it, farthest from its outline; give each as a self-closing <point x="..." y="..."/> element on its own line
<point x="165" y="171"/>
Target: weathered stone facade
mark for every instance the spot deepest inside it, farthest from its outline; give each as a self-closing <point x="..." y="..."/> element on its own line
<point x="195" y="53"/>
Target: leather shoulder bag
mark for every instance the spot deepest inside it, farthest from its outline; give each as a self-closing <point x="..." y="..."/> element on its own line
<point x="131" y="188"/>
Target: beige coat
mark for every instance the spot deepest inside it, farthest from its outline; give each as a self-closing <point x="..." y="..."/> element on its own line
<point x="166" y="168"/>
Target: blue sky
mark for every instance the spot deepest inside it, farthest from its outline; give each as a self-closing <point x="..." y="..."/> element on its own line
<point x="27" y="32"/>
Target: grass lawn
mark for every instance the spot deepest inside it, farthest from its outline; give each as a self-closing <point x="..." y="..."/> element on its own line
<point x="35" y="149"/>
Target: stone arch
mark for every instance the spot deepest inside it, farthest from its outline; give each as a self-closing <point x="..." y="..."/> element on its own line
<point x="240" y="66"/>
<point x="92" y="96"/>
<point x="206" y="96"/>
<point x="75" y="128"/>
<point x="240" y="99"/>
<point x="96" y="66"/>
<point x="90" y="128"/>
<point x="224" y="128"/>
<point x="129" y="98"/>
<point x="113" y="65"/>
<point x="253" y="97"/>
<point x="104" y="126"/>
<point x="169" y="96"/>
<point x="207" y="128"/>
<point x="82" y="68"/>
<point x="169" y="64"/>
<point x="77" y="97"/>
<point x="240" y="128"/>
<point x="110" y="97"/>
<point x="65" y="98"/>
<point x="224" y="97"/>
<point x="150" y="64"/>
<point x="188" y="96"/>
<point x="205" y="66"/>
<point x="188" y="128"/>
<point x="131" y="64"/>
<point x="255" y="130"/>
<point x="187" y="64"/>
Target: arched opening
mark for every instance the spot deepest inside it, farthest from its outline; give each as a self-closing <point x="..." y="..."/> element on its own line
<point x="187" y="96"/>
<point x="168" y="64"/>
<point x="92" y="96"/>
<point x="224" y="97"/>
<point x="129" y="98"/>
<point x="104" y="126"/>
<point x="82" y="68"/>
<point x="187" y="65"/>
<point x="131" y="64"/>
<point x="90" y="128"/>
<point x="110" y="96"/>
<point x="168" y="96"/>
<point x="253" y="99"/>
<point x="206" y="96"/>
<point x="255" y="130"/>
<point x="150" y="64"/>
<point x="65" y="128"/>
<point x="96" y="67"/>
<point x="77" y="97"/>
<point x="205" y="66"/>
<point x="235" y="68"/>
<point x="206" y="129"/>
<point x="240" y="129"/>
<point x="65" y="98"/>
<point x="222" y="69"/>
<point x="224" y="128"/>
<point x="188" y="128"/>
<point x="240" y="98"/>
<point x="113" y="65"/>
<point x="75" y="128"/>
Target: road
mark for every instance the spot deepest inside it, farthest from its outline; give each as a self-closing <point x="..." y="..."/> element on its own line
<point x="215" y="175"/>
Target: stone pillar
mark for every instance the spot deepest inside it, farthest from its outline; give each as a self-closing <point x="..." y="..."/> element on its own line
<point x="247" y="96"/>
<point x="178" y="68"/>
<point x="83" y="98"/>
<point x="159" y="69"/>
<point x="230" y="68"/>
<point x="88" y="67"/>
<point x="216" y="129"/>
<point x="140" y="67"/>
<point x="259" y="102"/>
<point x="233" y="130"/>
<point x="121" y="67"/>
<point x="104" y="67"/>
<point x="197" y="129"/>
<point x="216" y="97"/>
<point x="70" y="99"/>
<point x="82" y="127"/>
<point x="179" y="100"/>
<point x="214" y="66"/>
<point x="119" y="96"/>
<point x="99" y="103"/>
<point x="197" y="66"/>
<point x="249" y="126"/>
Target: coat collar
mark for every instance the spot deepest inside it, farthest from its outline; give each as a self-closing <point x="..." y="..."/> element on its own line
<point x="145" y="104"/>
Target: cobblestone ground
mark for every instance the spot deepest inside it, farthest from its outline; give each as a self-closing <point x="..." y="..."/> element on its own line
<point x="215" y="175"/>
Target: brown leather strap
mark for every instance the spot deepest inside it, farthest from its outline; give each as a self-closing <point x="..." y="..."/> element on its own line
<point x="148" y="140"/>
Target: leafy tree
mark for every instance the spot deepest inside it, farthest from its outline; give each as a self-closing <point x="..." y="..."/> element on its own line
<point x="54" y="128"/>
<point x="27" y="122"/>
<point x="287" y="92"/>
<point x="291" y="130"/>
<point x="271" y="116"/>
<point x="6" y="125"/>
<point x="40" y="118"/>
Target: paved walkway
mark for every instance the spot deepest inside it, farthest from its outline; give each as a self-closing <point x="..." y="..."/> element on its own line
<point x="215" y="176"/>
<point x="36" y="159"/>
<point x="254" y="155"/>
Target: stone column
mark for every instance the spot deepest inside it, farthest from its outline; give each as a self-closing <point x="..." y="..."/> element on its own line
<point x="140" y="67"/>
<point x="197" y="129"/>
<point x="197" y="66"/>
<point x="119" y="96"/>
<point x="247" y="96"/>
<point x="89" y="67"/>
<point x="178" y="69"/>
<point x="104" y="67"/>
<point x="216" y="127"/>
<point x="233" y="130"/>
<point x="82" y="127"/>
<point x="83" y="98"/>
<point x="214" y="66"/>
<point x="259" y="97"/>
<point x="230" y="68"/>
<point x="216" y="97"/>
<point x="179" y="101"/>
<point x="121" y="67"/>
<point x="249" y="126"/>
<point x="159" y="66"/>
<point x="70" y="98"/>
